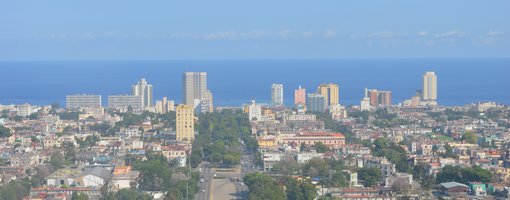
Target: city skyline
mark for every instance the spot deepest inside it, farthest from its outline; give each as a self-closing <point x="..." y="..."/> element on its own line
<point x="173" y="95"/>
<point x="280" y="100"/>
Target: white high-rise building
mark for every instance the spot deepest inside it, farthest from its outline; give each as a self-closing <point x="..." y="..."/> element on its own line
<point x="254" y="111"/>
<point x="125" y="101"/>
<point x="83" y="101"/>
<point x="277" y="94"/>
<point x="365" y="102"/>
<point x="145" y="91"/>
<point x="24" y="110"/>
<point x="429" y="86"/>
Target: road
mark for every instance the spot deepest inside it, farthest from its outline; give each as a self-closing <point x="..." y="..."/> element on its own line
<point x="205" y="186"/>
<point x="223" y="186"/>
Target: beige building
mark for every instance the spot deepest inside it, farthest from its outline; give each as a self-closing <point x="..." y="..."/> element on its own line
<point x="329" y="92"/>
<point x="185" y="123"/>
<point x="164" y="106"/>
<point x="429" y="86"/>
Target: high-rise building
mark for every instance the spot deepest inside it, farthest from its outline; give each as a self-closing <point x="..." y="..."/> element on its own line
<point x="254" y="111"/>
<point x="83" y="101"/>
<point x="125" y="101"/>
<point x="384" y="98"/>
<point x="329" y="92"/>
<point x="316" y="103"/>
<point x="164" y="106"/>
<point x="277" y="94"/>
<point x="185" y="123"/>
<point x="194" y="86"/>
<point x="24" y="110"/>
<point x="145" y="91"/>
<point x="429" y="86"/>
<point x="379" y="97"/>
<point x="207" y="102"/>
<point x="300" y="96"/>
<point x="373" y="95"/>
<point x="365" y="102"/>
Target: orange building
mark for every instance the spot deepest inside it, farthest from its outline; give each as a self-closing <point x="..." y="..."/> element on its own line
<point x="300" y="96"/>
<point x="121" y="170"/>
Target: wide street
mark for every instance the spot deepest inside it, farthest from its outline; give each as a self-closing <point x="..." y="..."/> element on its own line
<point x="225" y="183"/>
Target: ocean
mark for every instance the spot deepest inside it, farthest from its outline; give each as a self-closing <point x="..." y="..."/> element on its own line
<point x="234" y="82"/>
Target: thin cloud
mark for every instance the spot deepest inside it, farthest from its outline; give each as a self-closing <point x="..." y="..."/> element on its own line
<point x="330" y="33"/>
<point x="386" y="34"/>
<point x="451" y="34"/>
<point x="495" y="33"/>
<point x="307" y="34"/>
<point x="234" y="35"/>
<point x="285" y="33"/>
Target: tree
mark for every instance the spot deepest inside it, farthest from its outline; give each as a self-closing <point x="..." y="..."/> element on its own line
<point x="57" y="161"/>
<point x="69" y="152"/>
<point x="302" y="147"/>
<point x="393" y="152"/>
<point x="463" y="175"/>
<point x="321" y="147"/>
<point x="338" y="180"/>
<point x="262" y="186"/>
<point x="400" y="185"/>
<point x="292" y="189"/>
<point x="155" y="175"/>
<point x="286" y="167"/>
<point x="316" y="167"/>
<point x="470" y="138"/>
<point x="101" y="128"/>
<point x="308" y="190"/>
<point x="420" y="172"/>
<point x="33" y="116"/>
<point x="195" y="160"/>
<point x="54" y="107"/>
<point x="15" y="189"/>
<point x="4" y="132"/>
<point x="79" y="196"/>
<point x="69" y="115"/>
<point x="127" y="194"/>
<point x="371" y="176"/>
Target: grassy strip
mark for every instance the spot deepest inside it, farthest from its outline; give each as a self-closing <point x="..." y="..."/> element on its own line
<point x="224" y="170"/>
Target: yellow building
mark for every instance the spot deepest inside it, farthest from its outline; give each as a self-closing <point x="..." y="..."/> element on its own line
<point x="267" y="142"/>
<point x="330" y="93"/>
<point x="185" y="123"/>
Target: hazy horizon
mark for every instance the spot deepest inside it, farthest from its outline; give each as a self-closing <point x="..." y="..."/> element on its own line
<point x="225" y="29"/>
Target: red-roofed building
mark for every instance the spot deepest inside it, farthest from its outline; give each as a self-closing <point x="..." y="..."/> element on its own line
<point x="331" y="139"/>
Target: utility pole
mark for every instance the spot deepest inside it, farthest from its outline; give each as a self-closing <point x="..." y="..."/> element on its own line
<point x="189" y="176"/>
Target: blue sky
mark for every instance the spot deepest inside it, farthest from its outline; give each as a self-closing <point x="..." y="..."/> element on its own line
<point x="219" y="29"/>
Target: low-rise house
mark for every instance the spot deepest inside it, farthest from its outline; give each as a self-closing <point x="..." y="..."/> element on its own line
<point x="124" y="177"/>
<point x="95" y="177"/>
<point x="175" y="152"/>
<point x="387" y="168"/>
<point x="269" y="159"/>
<point x="303" y="157"/>
<point x="25" y="160"/>
<point x="63" y="192"/>
<point x="454" y="189"/>
<point x="64" y="177"/>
